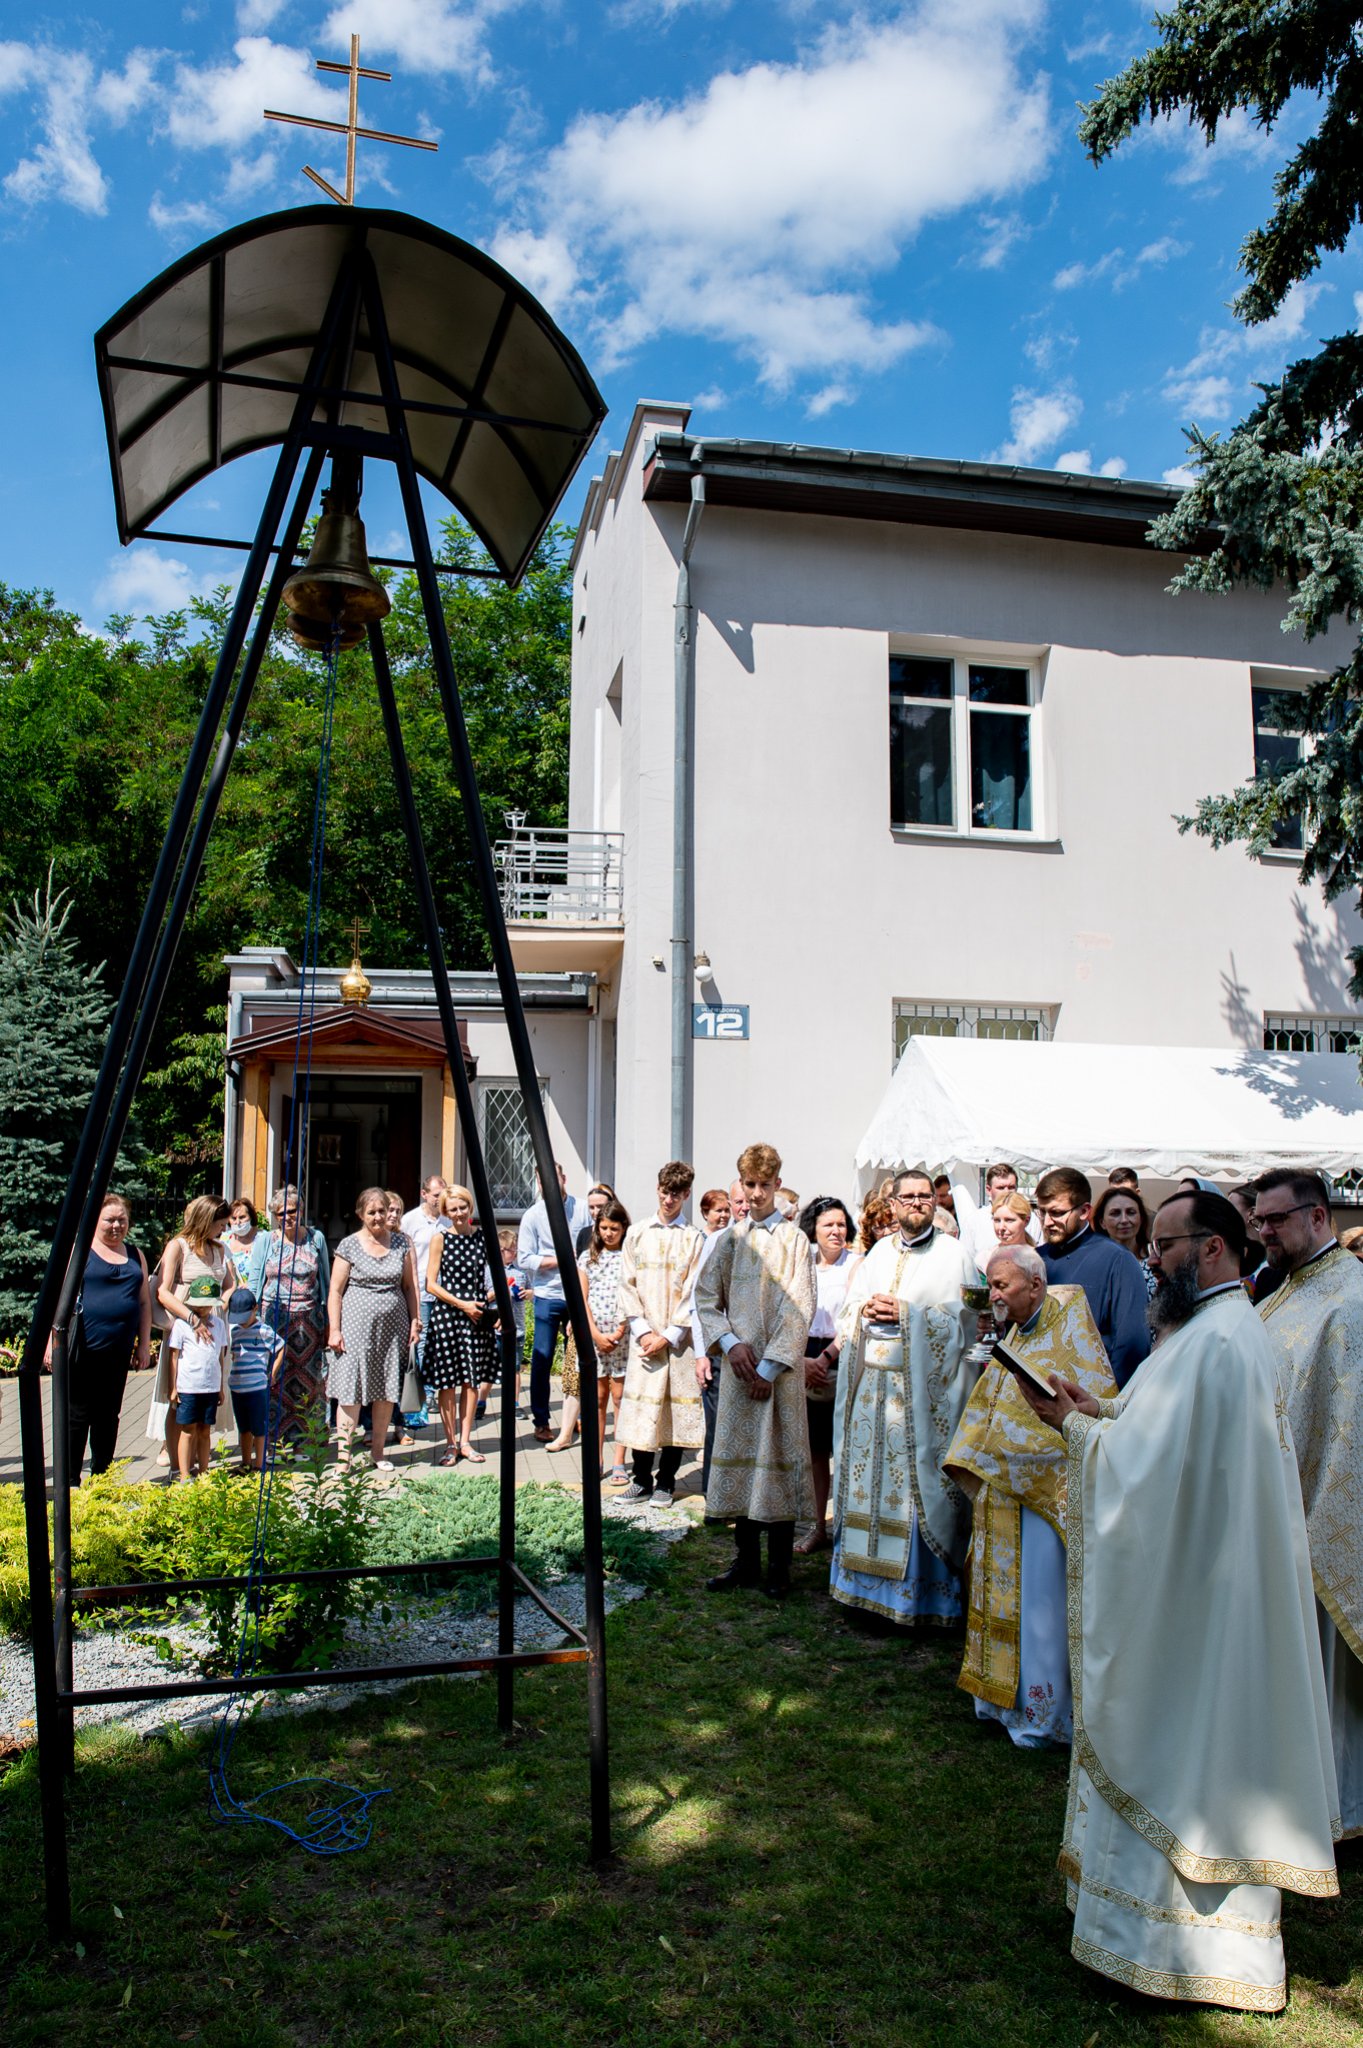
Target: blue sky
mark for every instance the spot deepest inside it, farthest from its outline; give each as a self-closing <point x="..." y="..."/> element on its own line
<point x="859" y="226"/>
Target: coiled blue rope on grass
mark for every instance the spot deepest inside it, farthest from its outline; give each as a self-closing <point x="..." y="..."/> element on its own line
<point x="338" y="1826"/>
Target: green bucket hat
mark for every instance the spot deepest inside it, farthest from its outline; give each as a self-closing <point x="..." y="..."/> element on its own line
<point x="204" y="1293"/>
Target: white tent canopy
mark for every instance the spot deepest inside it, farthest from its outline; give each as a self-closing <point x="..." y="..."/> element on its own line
<point x="1164" y="1109"/>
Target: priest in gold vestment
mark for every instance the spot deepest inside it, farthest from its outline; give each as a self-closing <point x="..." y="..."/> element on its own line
<point x="1315" y="1322"/>
<point x="1202" y="1782"/>
<point x="1012" y="1466"/>
<point x="755" y="1298"/>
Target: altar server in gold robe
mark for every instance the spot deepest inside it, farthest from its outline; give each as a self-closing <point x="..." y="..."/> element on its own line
<point x="1315" y="1322"/>
<point x="755" y="1298"/>
<point x="899" y="1523"/>
<point x="660" y="1413"/>
<point x="1202" y="1781"/>
<point x="1012" y="1466"/>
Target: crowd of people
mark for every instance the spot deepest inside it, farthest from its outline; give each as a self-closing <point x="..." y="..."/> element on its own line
<point x="1118" y="1449"/>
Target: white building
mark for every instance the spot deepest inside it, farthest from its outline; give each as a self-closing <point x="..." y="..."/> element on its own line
<point x="945" y="716"/>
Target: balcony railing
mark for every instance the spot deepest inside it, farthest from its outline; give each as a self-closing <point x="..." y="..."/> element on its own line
<point x="560" y="877"/>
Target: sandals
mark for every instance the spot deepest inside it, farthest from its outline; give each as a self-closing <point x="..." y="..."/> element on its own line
<point x="474" y="1457"/>
<point x="450" y="1458"/>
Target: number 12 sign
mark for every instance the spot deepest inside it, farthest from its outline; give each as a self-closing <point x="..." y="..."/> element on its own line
<point x="719" y="1020"/>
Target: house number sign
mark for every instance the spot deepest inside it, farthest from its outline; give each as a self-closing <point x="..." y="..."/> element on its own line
<point x="719" y="1020"/>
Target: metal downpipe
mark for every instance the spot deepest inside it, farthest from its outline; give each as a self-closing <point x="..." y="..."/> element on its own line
<point x="683" y="837"/>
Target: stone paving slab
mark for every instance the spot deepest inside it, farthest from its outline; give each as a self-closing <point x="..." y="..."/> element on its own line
<point x="533" y="1461"/>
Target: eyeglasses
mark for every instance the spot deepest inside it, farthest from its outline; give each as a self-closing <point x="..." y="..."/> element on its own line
<point x="1055" y="1215"/>
<point x="1272" y="1221"/>
<point x="916" y="1201"/>
<point x="1160" y="1245"/>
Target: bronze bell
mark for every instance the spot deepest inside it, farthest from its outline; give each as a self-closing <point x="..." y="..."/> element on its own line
<point x="335" y="596"/>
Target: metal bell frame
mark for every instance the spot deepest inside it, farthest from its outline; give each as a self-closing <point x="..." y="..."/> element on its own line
<point x="356" y="295"/>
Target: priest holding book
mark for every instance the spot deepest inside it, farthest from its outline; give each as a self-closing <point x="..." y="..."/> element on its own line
<point x="1202" y="1782"/>
<point x="1012" y="1466"/>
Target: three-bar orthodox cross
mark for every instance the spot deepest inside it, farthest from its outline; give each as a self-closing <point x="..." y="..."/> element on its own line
<point x="349" y="127"/>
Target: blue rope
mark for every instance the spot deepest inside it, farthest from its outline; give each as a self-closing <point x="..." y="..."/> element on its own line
<point x="335" y="1827"/>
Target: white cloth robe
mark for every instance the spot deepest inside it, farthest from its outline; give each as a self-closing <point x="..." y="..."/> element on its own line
<point x="1202" y="1782"/>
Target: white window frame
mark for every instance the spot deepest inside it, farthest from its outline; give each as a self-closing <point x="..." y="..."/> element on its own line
<point x="484" y="1087"/>
<point x="1316" y="1030"/>
<point x="1282" y="682"/>
<point x="963" y="659"/>
<point x="965" y="1020"/>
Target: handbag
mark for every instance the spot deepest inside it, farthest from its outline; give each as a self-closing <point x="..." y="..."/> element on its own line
<point x="161" y="1317"/>
<point x="413" y="1398"/>
<point x="158" y="1408"/>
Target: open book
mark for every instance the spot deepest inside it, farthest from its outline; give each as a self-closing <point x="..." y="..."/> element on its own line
<point x="1020" y="1367"/>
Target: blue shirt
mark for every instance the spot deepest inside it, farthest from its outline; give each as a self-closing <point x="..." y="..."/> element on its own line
<point x="1113" y="1279"/>
<point x="253" y="1354"/>
<point x="534" y="1244"/>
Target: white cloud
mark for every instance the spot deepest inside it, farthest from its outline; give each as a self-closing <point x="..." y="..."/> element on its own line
<point x="1116" y="265"/>
<point x="1002" y="233"/>
<point x="1079" y="461"/>
<point x="1239" y="140"/>
<point x="544" y="263"/>
<point x="712" y="400"/>
<point x="423" y="35"/>
<point x="172" y="218"/>
<point x="1045" y="349"/>
<point x="63" y="165"/>
<point x="1358" y="310"/>
<point x="825" y="400"/>
<point x="1210" y="384"/>
<point x="146" y="583"/>
<point x="1038" y="420"/>
<point x="223" y="105"/>
<point x="754" y="210"/>
<point x="254" y="14"/>
<point x="121" y="94"/>
<point x="1180" y="476"/>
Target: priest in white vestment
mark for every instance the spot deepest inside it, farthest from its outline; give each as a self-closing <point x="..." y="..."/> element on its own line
<point x="1315" y="1324"/>
<point x="1012" y="1466"/>
<point x="899" y="1524"/>
<point x="1202" y="1783"/>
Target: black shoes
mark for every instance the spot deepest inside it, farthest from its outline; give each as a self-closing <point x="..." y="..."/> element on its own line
<point x="738" y="1575"/>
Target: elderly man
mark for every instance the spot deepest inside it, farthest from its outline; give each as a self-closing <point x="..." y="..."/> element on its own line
<point x="1079" y="1256"/>
<point x="1314" y="1319"/>
<point x="1017" y="1659"/>
<point x="899" y="1525"/>
<point x="1202" y="1783"/>
<point x="738" y="1201"/>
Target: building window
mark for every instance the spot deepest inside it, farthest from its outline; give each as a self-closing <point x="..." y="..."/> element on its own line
<point x="961" y="745"/>
<point x="1313" y="1034"/>
<point x="1275" y="753"/>
<point x="968" y="1020"/>
<point x="507" y="1152"/>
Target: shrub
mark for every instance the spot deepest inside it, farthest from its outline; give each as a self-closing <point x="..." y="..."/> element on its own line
<point x="434" y="1517"/>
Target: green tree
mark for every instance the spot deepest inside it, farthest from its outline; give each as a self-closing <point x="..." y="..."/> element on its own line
<point x="1283" y="493"/>
<point x="53" y="1015"/>
<point x="93" y="737"/>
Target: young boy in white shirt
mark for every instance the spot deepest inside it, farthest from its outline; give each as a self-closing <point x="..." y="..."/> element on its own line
<point x="204" y="1347"/>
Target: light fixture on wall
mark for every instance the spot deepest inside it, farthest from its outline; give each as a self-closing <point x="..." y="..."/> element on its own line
<point x="701" y="963"/>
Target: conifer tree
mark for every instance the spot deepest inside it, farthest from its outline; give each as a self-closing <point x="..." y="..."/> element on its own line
<point x="1282" y="495"/>
<point x="53" y="1016"/>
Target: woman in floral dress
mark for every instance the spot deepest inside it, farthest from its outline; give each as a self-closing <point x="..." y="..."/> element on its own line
<point x="295" y="1274"/>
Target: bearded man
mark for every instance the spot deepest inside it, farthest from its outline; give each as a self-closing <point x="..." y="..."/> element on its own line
<point x="1314" y="1319"/>
<point x="1202" y="1782"/>
<point x="899" y="1524"/>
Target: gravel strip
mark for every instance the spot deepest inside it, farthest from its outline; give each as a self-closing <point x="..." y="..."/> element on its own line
<point x="421" y="1627"/>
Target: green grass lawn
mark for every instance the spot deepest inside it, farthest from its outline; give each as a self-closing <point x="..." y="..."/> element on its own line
<point x="817" y="1846"/>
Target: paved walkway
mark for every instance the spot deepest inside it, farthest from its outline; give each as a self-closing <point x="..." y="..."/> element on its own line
<point x="533" y="1461"/>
